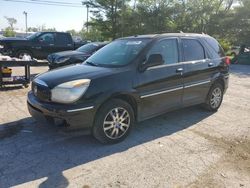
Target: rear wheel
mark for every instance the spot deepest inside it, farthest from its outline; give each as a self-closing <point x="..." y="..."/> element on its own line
<point x="22" y="53"/>
<point x="215" y="97"/>
<point x="113" y="121"/>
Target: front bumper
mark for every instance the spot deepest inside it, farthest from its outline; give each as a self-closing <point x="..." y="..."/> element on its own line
<point x="76" y="116"/>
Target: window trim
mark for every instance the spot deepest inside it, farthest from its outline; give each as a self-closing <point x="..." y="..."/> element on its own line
<point x="199" y="41"/>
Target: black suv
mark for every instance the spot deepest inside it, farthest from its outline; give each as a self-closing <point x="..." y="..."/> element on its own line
<point x="132" y="79"/>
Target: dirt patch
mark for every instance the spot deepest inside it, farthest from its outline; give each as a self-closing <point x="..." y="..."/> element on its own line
<point x="233" y="169"/>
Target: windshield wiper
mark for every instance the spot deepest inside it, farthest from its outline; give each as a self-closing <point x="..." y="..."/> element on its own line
<point x="91" y="63"/>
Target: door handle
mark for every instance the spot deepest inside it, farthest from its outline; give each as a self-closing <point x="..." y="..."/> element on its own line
<point x="210" y="64"/>
<point x="51" y="44"/>
<point x="179" y="70"/>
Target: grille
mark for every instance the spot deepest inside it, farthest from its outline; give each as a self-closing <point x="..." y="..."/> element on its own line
<point x="41" y="92"/>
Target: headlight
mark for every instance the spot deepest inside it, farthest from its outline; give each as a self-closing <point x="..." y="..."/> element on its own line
<point x="62" y="60"/>
<point x="69" y="92"/>
<point x="1" y="46"/>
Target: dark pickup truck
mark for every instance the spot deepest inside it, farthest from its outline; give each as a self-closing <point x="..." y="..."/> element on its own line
<point x="39" y="45"/>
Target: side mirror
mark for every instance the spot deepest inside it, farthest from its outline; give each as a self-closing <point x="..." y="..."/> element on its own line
<point x="153" y="60"/>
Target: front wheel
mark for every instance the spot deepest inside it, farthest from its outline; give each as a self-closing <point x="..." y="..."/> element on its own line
<point x="113" y="121"/>
<point x="215" y="97"/>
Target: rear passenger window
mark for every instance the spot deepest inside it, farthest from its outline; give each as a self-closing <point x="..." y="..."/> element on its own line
<point x="63" y="39"/>
<point x="192" y="50"/>
<point x="168" y="49"/>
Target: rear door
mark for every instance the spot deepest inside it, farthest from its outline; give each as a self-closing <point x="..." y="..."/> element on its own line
<point x="63" y="42"/>
<point x="198" y="71"/>
<point x="161" y="87"/>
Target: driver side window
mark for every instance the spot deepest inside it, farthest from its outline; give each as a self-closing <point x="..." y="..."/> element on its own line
<point x="47" y="38"/>
<point x="168" y="49"/>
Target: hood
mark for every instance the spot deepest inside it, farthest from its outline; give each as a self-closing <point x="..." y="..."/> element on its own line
<point x="12" y="39"/>
<point x="54" y="56"/>
<point x="73" y="72"/>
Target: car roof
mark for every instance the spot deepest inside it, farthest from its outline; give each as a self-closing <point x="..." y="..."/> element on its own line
<point x="167" y="35"/>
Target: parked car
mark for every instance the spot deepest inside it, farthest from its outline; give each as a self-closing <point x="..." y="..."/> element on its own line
<point x="132" y="79"/>
<point x="242" y="58"/>
<point x="38" y="45"/>
<point x="60" y="59"/>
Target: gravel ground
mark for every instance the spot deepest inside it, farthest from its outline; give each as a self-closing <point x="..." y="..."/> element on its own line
<point x="185" y="148"/>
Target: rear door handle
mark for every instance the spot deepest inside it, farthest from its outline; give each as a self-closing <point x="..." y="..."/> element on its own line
<point x="179" y="70"/>
<point x="210" y="64"/>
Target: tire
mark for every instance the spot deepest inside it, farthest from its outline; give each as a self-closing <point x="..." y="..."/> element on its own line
<point x="214" y="98"/>
<point x="117" y="127"/>
<point x="21" y="53"/>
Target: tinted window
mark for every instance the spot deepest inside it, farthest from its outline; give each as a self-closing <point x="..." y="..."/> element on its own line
<point x="214" y="47"/>
<point x="192" y="50"/>
<point x="119" y="52"/>
<point x="63" y="39"/>
<point x="88" y="48"/>
<point x="168" y="49"/>
<point x="47" y="38"/>
<point x="30" y="37"/>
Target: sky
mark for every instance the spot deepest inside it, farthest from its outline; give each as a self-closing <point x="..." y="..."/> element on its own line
<point x="61" y="18"/>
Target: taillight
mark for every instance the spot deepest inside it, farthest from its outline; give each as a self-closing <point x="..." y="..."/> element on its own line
<point x="227" y="61"/>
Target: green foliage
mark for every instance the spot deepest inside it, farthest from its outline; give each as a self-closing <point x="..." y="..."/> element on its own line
<point x="92" y="35"/>
<point x="117" y="18"/>
<point x="8" y="32"/>
<point x="225" y="44"/>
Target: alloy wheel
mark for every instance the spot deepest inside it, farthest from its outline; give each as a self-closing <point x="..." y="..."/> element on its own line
<point x="216" y="98"/>
<point x="116" y="123"/>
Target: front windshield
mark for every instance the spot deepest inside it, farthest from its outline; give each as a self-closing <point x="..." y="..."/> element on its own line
<point x="118" y="53"/>
<point x="87" y="48"/>
<point x="33" y="36"/>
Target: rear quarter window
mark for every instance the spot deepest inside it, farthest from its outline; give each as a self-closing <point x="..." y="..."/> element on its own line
<point x="214" y="48"/>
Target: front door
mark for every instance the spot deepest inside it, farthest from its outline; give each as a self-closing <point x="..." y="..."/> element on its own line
<point x="161" y="87"/>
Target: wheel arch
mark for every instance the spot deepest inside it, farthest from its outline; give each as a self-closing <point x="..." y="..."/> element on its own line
<point x="125" y="97"/>
<point x="221" y="81"/>
<point x="23" y="50"/>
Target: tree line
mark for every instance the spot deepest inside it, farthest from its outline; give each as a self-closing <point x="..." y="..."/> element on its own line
<point x="227" y="20"/>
